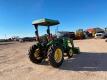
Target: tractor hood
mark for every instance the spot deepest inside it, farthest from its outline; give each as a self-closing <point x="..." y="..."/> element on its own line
<point x="45" y="22"/>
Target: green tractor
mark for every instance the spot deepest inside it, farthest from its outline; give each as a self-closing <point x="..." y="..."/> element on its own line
<point x="49" y="48"/>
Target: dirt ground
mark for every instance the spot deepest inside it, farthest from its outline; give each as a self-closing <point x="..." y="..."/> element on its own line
<point x="91" y="64"/>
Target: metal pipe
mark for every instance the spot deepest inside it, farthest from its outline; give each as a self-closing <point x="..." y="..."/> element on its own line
<point x="48" y="32"/>
<point x="36" y="33"/>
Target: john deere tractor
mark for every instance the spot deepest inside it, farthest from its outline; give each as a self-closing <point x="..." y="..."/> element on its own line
<point x="49" y="48"/>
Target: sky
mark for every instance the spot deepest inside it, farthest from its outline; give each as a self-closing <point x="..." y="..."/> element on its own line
<point x="16" y="16"/>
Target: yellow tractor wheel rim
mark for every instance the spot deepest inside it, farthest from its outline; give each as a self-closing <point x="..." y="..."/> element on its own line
<point x="58" y="55"/>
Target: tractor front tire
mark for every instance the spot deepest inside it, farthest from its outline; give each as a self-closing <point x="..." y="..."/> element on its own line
<point x="32" y="53"/>
<point x="76" y="50"/>
<point x="70" y="53"/>
<point x="55" y="56"/>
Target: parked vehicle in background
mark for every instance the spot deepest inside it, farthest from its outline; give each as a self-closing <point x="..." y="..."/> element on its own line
<point x="90" y="33"/>
<point x="80" y="34"/>
<point x="28" y="39"/>
<point x="105" y="35"/>
<point x="67" y="34"/>
<point x="99" y="35"/>
<point x="95" y="32"/>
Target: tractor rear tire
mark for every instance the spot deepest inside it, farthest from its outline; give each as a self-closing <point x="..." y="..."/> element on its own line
<point x="32" y="55"/>
<point x="55" y="56"/>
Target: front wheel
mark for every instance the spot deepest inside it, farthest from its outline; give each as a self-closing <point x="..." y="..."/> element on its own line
<point x="55" y="56"/>
<point x="35" y="54"/>
<point x="76" y="50"/>
<point x="70" y="53"/>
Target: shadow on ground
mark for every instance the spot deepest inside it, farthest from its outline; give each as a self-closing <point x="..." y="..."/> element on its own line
<point x="86" y="61"/>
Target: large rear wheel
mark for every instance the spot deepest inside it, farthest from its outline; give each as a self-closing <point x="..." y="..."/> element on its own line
<point x="35" y="54"/>
<point x="55" y="56"/>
